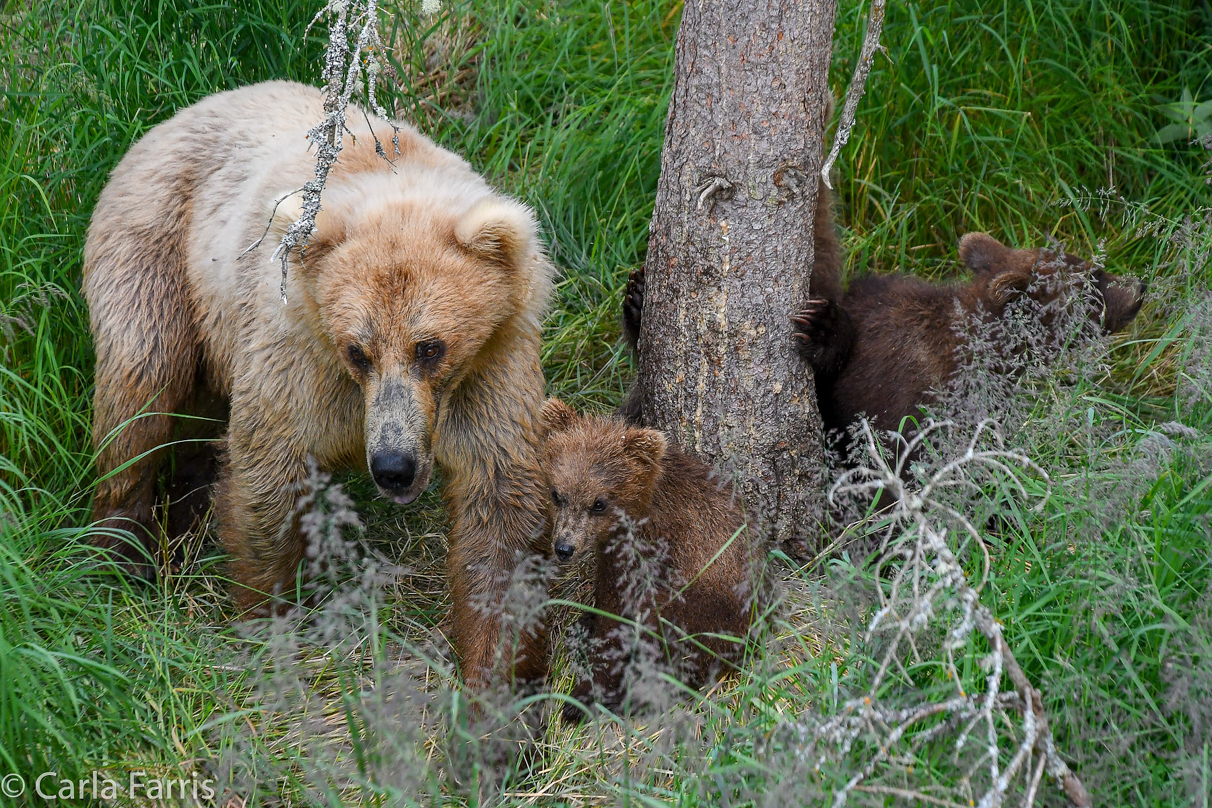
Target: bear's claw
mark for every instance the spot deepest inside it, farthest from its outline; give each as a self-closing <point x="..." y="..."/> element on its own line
<point x="812" y="326"/>
<point x="633" y="305"/>
<point x="824" y="335"/>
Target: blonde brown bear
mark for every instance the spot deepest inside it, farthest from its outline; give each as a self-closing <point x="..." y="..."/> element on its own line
<point x="409" y="339"/>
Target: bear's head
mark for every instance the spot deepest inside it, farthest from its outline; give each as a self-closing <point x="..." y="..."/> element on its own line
<point x="597" y="469"/>
<point x="414" y="292"/>
<point x="1004" y="273"/>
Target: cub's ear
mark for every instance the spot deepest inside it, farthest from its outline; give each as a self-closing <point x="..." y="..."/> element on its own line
<point x="284" y="210"/>
<point x="557" y="416"/>
<point x="981" y="252"/>
<point x="497" y="229"/>
<point x="1008" y="285"/>
<point x="986" y="256"/>
<point x="648" y="446"/>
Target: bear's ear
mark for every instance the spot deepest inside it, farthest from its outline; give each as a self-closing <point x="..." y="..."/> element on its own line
<point x="284" y="210"/>
<point x="498" y="230"/>
<point x="986" y="256"/>
<point x="557" y="416"/>
<point x="648" y="446"/>
<point x="1006" y="286"/>
<point x="981" y="253"/>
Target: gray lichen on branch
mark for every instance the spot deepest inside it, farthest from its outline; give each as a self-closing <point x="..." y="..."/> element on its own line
<point x="921" y="577"/>
<point x="356" y="20"/>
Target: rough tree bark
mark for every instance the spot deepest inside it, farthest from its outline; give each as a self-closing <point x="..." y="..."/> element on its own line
<point x="730" y="250"/>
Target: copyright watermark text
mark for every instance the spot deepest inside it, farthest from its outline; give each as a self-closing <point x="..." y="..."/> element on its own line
<point x="104" y="785"/>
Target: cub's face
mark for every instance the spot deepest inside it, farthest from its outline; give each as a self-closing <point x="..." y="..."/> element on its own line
<point x="596" y="470"/>
<point x="412" y="298"/>
<point x="1045" y="275"/>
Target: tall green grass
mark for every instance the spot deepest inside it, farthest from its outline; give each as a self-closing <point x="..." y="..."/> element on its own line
<point x="1007" y="117"/>
<point x="93" y="673"/>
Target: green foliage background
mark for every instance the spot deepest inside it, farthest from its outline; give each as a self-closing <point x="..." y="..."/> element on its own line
<point x="1028" y="120"/>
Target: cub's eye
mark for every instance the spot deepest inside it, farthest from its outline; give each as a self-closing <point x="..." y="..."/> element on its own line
<point x="357" y="357"/>
<point x="555" y="496"/>
<point x="599" y="505"/>
<point x="430" y="351"/>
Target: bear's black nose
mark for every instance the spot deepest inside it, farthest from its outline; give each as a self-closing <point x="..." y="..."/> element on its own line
<point x="564" y="550"/>
<point x="392" y="470"/>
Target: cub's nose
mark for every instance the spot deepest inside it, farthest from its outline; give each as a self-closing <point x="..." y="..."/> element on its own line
<point x="564" y="550"/>
<point x="1141" y="289"/>
<point x="393" y="471"/>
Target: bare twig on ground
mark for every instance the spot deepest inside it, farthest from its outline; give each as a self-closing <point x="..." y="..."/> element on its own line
<point x="920" y="577"/>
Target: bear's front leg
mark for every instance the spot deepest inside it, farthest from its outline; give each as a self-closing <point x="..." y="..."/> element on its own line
<point x="610" y="644"/>
<point x="498" y="591"/>
<point x="273" y="431"/>
<point x="824" y="335"/>
<point x="254" y="504"/>
<point x="488" y="446"/>
<point x="632" y="408"/>
<point x="633" y="308"/>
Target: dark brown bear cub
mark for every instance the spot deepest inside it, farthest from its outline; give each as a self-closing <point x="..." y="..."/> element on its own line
<point x="673" y="557"/>
<point x="892" y="342"/>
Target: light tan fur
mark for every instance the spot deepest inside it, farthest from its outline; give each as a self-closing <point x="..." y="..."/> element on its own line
<point x="417" y="252"/>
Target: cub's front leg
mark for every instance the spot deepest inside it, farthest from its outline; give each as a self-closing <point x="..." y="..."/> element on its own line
<point x="824" y="334"/>
<point x="633" y="308"/>
<point x="608" y="658"/>
<point x="624" y="629"/>
<point x="632" y="409"/>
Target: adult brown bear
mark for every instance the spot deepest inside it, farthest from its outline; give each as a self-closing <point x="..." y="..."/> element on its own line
<point x="410" y="339"/>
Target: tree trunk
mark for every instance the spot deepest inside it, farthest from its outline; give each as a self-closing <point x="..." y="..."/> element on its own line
<point x="730" y="250"/>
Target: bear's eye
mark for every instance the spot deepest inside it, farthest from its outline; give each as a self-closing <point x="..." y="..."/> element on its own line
<point x="599" y="505"/>
<point x="430" y="351"/>
<point x="357" y="357"/>
<point x="555" y="496"/>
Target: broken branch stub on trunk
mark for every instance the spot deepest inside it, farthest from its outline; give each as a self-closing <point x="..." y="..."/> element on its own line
<point x="730" y="251"/>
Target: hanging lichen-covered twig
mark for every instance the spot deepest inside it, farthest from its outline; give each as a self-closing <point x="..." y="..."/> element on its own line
<point x="858" y="84"/>
<point x="353" y="44"/>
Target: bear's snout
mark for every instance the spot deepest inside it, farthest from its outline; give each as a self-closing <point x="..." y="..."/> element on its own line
<point x="564" y="550"/>
<point x="393" y="471"/>
<point x="399" y="429"/>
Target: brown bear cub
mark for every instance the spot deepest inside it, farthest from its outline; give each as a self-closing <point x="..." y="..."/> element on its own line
<point x="673" y="557"/>
<point x="892" y="342"/>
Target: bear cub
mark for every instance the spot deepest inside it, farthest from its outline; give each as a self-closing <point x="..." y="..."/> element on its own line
<point x="672" y="555"/>
<point x="891" y="342"/>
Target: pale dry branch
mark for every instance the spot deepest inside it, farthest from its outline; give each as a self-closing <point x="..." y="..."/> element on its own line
<point x="858" y="85"/>
<point x="921" y="575"/>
